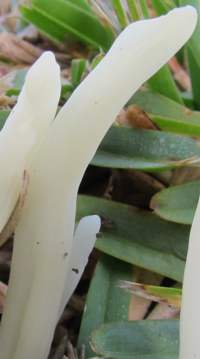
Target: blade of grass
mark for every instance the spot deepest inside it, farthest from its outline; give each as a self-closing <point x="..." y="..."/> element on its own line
<point x="193" y="51"/>
<point x="62" y="19"/>
<point x="121" y="13"/>
<point x="78" y="68"/>
<point x="144" y="8"/>
<point x="161" y="7"/>
<point x="133" y="10"/>
<point x="163" y="82"/>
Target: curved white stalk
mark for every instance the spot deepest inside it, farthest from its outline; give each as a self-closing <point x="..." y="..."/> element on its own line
<point x="22" y="134"/>
<point x="49" y="214"/>
<point x="190" y="307"/>
<point x="83" y="243"/>
<point x="25" y="125"/>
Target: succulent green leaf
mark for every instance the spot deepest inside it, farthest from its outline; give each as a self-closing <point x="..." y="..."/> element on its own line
<point x="162" y="82"/>
<point x="144" y="150"/>
<point x="105" y="300"/>
<point x="167" y="114"/>
<point x="177" y="203"/>
<point x="145" y="339"/>
<point x="138" y="237"/>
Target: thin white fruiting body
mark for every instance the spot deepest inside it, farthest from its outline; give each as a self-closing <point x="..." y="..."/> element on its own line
<point x="22" y="134"/>
<point x="190" y="307"/>
<point x="48" y="218"/>
<point x="25" y="127"/>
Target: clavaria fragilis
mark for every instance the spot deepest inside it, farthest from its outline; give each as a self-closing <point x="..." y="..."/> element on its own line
<point x="56" y="154"/>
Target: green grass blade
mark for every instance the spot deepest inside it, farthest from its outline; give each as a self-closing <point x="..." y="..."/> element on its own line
<point x="78" y="68"/>
<point x="193" y="50"/>
<point x="144" y="8"/>
<point x="161" y="7"/>
<point x="120" y="12"/>
<point x="61" y="19"/>
<point x="162" y="82"/>
<point x="133" y="10"/>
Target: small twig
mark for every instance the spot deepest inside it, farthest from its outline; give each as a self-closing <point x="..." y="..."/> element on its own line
<point x="71" y="352"/>
<point x="82" y="352"/>
<point x="60" y="351"/>
<point x="17" y="50"/>
<point x="76" y="303"/>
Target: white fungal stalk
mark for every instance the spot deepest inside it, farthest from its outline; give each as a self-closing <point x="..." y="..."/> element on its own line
<point x="45" y="249"/>
<point x="25" y="127"/>
<point x="190" y="307"/>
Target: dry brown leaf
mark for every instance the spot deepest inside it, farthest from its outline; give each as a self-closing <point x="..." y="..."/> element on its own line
<point x="163" y="311"/>
<point x="16" y="50"/>
<point x="139" y="119"/>
<point x="5" y="7"/>
<point x="138" y="307"/>
<point x="134" y="187"/>
<point x="6" y="100"/>
<point x="164" y="295"/>
<point x="135" y="117"/>
<point x="122" y="118"/>
<point x="61" y="339"/>
<point x="184" y="175"/>
<point x="191" y="161"/>
<point x="4" y="69"/>
<point x="71" y="351"/>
